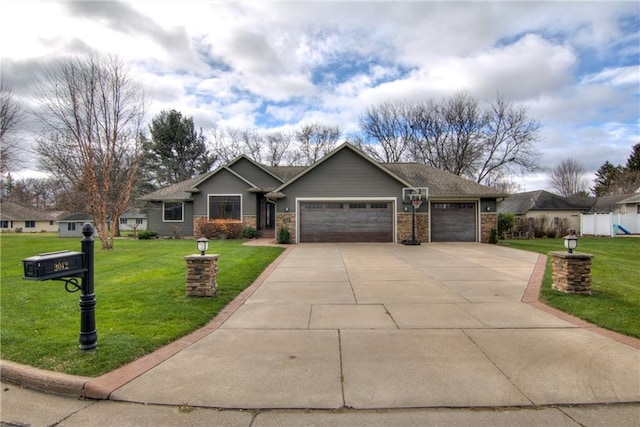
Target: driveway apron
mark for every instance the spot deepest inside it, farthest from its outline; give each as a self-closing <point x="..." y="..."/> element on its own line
<point x="391" y="326"/>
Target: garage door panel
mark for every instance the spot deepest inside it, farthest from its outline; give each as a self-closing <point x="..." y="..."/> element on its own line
<point x="346" y="222"/>
<point x="453" y="222"/>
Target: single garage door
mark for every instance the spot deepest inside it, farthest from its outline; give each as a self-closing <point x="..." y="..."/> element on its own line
<point x="345" y="221"/>
<point x="453" y="222"/>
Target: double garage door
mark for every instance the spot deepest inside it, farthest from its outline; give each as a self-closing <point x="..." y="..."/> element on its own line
<point x="346" y="221"/>
<point x="372" y="221"/>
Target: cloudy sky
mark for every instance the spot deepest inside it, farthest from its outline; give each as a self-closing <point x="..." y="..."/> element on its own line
<point x="275" y="64"/>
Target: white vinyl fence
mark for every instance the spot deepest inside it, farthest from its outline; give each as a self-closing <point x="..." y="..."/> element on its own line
<point x="603" y="224"/>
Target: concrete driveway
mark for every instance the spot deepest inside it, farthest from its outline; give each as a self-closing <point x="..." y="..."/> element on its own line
<point x="393" y="326"/>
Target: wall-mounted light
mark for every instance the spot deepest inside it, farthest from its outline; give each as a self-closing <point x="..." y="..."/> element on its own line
<point x="203" y="245"/>
<point x="286" y="208"/>
<point x="488" y="208"/>
<point x="571" y="242"/>
<point x="406" y="209"/>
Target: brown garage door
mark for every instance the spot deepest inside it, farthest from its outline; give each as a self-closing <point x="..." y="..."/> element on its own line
<point x="453" y="222"/>
<point x="345" y="221"/>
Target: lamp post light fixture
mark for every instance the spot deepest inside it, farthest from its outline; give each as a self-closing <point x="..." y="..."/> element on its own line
<point x="203" y="245"/>
<point x="571" y="242"/>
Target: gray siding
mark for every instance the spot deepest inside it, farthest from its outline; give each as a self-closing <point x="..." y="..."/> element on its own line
<point x="154" y="216"/>
<point x="224" y="182"/>
<point x="345" y="175"/>
<point x="255" y="175"/>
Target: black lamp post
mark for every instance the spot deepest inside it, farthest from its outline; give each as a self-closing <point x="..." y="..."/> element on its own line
<point x="571" y="242"/>
<point x="203" y="245"/>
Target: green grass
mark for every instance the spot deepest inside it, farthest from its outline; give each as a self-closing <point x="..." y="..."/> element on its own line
<point x="615" y="300"/>
<point x="141" y="302"/>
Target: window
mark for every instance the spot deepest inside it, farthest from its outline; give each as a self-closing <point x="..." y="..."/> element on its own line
<point x="225" y="207"/>
<point x="379" y="205"/>
<point x="357" y="205"/>
<point x="139" y="221"/>
<point x="4" y="224"/>
<point x="29" y="224"/>
<point x="172" y="211"/>
<point x="335" y="205"/>
<point x="123" y="221"/>
<point x="313" y="205"/>
<point x="71" y="226"/>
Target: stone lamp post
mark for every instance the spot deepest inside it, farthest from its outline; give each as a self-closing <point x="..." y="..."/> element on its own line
<point x="571" y="272"/>
<point x="202" y="270"/>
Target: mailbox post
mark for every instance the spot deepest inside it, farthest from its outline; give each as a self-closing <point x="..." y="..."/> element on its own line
<point x="68" y="266"/>
<point x="88" y="334"/>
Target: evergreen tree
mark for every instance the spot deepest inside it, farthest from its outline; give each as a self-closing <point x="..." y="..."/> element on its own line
<point x="606" y="177"/>
<point x="633" y="162"/>
<point x="175" y="152"/>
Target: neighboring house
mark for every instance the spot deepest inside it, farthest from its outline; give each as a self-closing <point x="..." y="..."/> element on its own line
<point x="18" y="218"/>
<point x="133" y="219"/>
<point x="630" y="205"/>
<point x="560" y="213"/>
<point x="346" y="196"/>
<point x="71" y="225"/>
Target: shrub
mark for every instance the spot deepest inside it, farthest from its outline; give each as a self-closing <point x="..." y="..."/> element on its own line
<point x="219" y="228"/>
<point x="283" y="235"/>
<point x="147" y="235"/>
<point x="505" y="223"/>
<point x="249" y="233"/>
<point x="493" y="236"/>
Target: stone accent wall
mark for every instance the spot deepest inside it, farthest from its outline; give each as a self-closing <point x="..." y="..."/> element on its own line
<point x="201" y="275"/>
<point x="404" y="220"/>
<point x="249" y="221"/>
<point x="571" y="273"/>
<point x="488" y="221"/>
<point x="289" y="222"/>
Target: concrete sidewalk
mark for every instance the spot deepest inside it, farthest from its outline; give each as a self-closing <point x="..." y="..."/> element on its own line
<point x="377" y="330"/>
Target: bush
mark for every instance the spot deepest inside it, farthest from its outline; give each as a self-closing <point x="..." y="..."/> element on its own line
<point x="219" y="228"/>
<point x="249" y="233"/>
<point x="493" y="236"/>
<point x="147" y="235"/>
<point x="283" y="235"/>
<point x="505" y="223"/>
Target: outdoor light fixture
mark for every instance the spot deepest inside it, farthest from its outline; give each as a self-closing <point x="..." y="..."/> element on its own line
<point x="571" y="242"/>
<point x="286" y="208"/>
<point x="203" y="245"/>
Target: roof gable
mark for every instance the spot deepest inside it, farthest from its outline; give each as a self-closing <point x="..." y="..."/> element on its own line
<point x="332" y="154"/>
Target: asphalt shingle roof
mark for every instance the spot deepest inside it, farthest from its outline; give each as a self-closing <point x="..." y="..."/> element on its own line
<point x="10" y="211"/>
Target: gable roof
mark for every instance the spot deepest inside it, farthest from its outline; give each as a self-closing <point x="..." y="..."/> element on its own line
<point x="440" y="183"/>
<point x="344" y="146"/>
<point x="10" y="211"/>
<point x="632" y="199"/>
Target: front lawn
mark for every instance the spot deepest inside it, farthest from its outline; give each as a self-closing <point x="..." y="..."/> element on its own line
<point x="615" y="302"/>
<point x="141" y="302"/>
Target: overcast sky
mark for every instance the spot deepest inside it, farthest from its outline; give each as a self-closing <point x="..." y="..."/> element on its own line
<point x="273" y="64"/>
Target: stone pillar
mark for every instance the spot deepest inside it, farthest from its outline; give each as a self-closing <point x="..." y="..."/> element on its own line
<point x="571" y="273"/>
<point x="201" y="275"/>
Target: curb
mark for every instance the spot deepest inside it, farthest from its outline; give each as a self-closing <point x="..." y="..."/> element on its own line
<point x="100" y="388"/>
<point x="42" y="380"/>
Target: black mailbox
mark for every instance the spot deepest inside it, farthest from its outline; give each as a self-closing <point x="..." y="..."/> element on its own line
<point x="54" y="265"/>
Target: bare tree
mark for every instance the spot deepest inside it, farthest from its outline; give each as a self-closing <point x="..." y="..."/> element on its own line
<point x="508" y="143"/>
<point x="92" y="112"/>
<point x="458" y="134"/>
<point x="568" y="179"/>
<point x="278" y="144"/>
<point x="11" y="114"/>
<point x="226" y="144"/>
<point x="315" y="141"/>
<point x="386" y="131"/>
